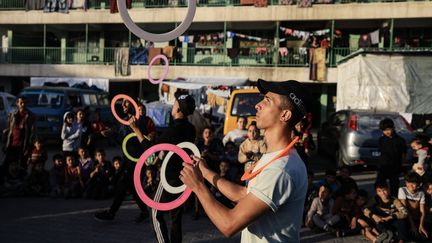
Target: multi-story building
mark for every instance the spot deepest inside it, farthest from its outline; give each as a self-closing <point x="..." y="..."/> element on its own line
<point x="269" y="39"/>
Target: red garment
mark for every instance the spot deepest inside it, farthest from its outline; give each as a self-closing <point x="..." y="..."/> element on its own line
<point x="18" y="129"/>
<point x="114" y="9"/>
<point x="98" y="127"/>
<point x="151" y="127"/>
<point x="38" y="156"/>
<point x="71" y="174"/>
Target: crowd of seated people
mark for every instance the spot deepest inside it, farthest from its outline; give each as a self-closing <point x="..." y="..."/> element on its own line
<point x="333" y="204"/>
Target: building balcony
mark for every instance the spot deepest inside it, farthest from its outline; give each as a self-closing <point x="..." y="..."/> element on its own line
<point x="96" y="62"/>
<point x="167" y="11"/>
<point x="106" y="4"/>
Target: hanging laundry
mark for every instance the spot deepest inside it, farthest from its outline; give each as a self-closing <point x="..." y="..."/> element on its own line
<point x="320" y="60"/>
<point x="244" y="51"/>
<point x="261" y="50"/>
<point x="364" y="41"/>
<point x="304" y="3"/>
<point x="168" y="51"/>
<point x="283" y="51"/>
<point x="34" y="4"/>
<point x="288" y="31"/>
<point x="374" y="37"/>
<point x="113" y="5"/>
<point x="353" y="41"/>
<point x="121" y="62"/>
<point x="233" y="52"/>
<point x="260" y="3"/>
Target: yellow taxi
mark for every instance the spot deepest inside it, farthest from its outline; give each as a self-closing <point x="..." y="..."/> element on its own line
<point x="241" y="103"/>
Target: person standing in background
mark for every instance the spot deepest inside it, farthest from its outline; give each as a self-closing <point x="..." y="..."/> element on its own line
<point x="19" y="136"/>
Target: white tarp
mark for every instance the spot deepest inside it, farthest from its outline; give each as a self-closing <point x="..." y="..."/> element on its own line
<point x="200" y="82"/>
<point x="101" y="83"/>
<point x="395" y="82"/>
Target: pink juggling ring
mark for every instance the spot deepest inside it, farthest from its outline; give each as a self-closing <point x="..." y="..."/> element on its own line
<point x="123" y="96"/>
<point x="163" y="57"/>
<point x="137" y="177"/>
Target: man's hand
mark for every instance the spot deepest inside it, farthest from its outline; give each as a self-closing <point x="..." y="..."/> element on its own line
<point x="388" y="218"/>
<point x="201" y="164"/>
<point x="376" y="218"/>
<point x="191" y="176"/>
<point x="353" y="224"/>
<point x="133" y="123"/>
<point x="423" y="231"/>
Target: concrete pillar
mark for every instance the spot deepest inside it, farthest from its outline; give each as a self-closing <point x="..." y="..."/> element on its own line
<point x="323" y="102"/>
<point x="101" y="46"/>
<point x="63" y="49"/>
<point x="184" y="52"/>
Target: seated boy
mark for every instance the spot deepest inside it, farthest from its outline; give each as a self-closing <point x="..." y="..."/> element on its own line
<point x="330" y="180"/>
<point x="319" y="213"/>
<point x="387" y="213"/>
<point x="345" y="207"/>
<point x="414" y="200"/>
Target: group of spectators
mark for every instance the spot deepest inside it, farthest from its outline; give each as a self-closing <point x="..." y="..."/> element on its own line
<point x="393" y="213"/>
<point x="334" y="204"/>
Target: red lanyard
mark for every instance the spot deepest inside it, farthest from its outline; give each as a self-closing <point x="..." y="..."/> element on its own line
<point x="248" y="175"/>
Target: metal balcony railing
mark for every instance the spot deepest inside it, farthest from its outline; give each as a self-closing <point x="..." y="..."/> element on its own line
<point x="203" y="56"/>
<point x="105" y="4"/>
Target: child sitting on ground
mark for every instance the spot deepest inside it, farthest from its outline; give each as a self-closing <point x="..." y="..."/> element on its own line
<point x="428" y="206"/>
<point x="86" y="166"/>
<point x="57" y="176"/>
<point x="345" y="207"/>
<point x="319" y="214"/>
<point x="330" y="180"/>
<point x="99" y="177"/>
<point x="37" y="183"/>
<point x="72" y="186"/>
<point x="386" y="215"/>
<point x="414" y="200"/>
<point x="37" y="155"/>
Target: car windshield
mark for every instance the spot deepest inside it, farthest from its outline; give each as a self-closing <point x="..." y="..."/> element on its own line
<point x="371" y="121"/>
<point x="44" y="99"/>
<point x="244" y="104"/>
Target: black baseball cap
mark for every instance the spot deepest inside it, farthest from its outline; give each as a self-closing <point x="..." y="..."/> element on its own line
<point x="293" y="89"/>
<point x="186" y="103"/>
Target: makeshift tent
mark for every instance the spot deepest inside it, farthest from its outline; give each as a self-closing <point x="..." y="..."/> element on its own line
<point x="394" y="82"/>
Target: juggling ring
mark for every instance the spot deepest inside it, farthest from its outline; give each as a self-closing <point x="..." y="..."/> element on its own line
<point x="137" y="177"/>
<point x="166" y="186"/>
<point x="157" y="37"/>
<point x="163" y="57"/>
<point x="123" y="96"/>
<point x="125" y="152"/>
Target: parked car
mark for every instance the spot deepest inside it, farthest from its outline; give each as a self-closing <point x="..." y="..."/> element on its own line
<point x="7" y="105"/>
<point x="351" y="136"/>
<point x="50" y="103"/>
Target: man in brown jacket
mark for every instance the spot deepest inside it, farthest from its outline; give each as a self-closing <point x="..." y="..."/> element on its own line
<point x="18" y="136"/>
